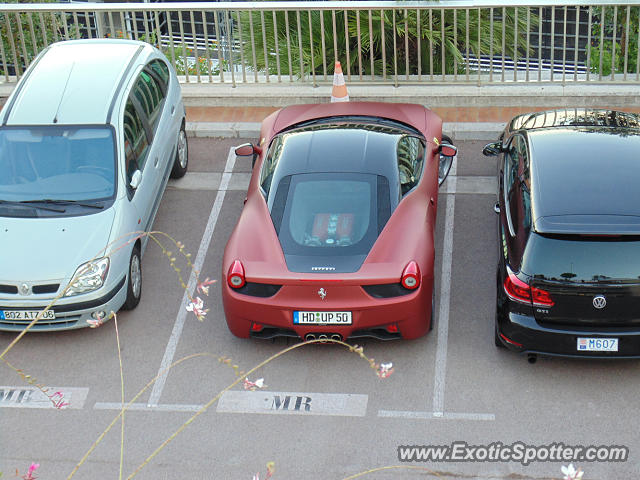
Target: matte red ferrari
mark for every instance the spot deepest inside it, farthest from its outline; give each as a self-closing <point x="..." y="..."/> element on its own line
<point x="336" y="239"/>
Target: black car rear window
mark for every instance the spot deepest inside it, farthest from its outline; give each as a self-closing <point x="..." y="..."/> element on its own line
<point x="329" y="213"/>
<point x="582" y="259"/>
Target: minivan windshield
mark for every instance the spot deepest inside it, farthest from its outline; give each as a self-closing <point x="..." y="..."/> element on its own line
<point x="583" y="259"/>
<point x="61" y="162"/>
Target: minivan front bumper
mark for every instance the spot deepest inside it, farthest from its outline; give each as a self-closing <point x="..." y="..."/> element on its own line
<point x="70" y="313"/>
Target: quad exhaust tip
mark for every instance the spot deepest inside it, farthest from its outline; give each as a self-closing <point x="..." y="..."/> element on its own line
<point x="323" y="337"/>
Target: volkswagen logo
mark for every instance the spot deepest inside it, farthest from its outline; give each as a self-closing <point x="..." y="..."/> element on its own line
<point x="322" y="293"/>
<point x="599" y="302"/>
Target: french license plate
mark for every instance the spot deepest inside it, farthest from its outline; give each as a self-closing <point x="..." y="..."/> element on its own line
<point x="597" y="344"/>
<point x="321" y="318"/>
<point x="25" y="314"/>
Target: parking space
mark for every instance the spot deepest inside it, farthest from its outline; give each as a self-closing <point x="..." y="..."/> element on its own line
<point x="452" y="385"/>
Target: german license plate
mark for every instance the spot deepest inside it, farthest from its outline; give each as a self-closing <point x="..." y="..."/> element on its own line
<point x="25" y="314"/>
<point x="321" y="318"/>
<point x="597" y="344"/>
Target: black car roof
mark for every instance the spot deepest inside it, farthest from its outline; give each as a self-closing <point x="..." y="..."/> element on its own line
<point x="585" y="179"/>
<point x="574" y="117"/>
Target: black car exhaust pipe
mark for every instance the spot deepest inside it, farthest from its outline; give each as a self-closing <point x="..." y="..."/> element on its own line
<point x="309" y="336"/>
<point x="336" y="337"/>
<point x="532" y="358"/>
<point x="322" y="337"/>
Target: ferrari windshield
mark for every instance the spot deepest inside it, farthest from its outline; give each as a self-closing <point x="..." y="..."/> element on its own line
<point x="329" y="215"/>
<point x="56" y="163"/>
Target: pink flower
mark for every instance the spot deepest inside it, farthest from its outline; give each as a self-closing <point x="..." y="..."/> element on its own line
<point x="385" y="369"/>
<point x="32" y="469"/>
<point x="196" y="306"/>
<point x="570" y="473"/>
<point x="95" y="323"/>
<point x="249" y="385"/>
<point x="203" y="287"/>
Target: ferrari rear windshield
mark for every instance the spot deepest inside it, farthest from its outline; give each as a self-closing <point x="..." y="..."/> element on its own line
<point x="330" y="214"/>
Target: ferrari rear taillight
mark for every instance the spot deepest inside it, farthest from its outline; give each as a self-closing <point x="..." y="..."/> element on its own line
<point x="521" y="292"/>
<point x="235" y="275"/>
<point x="411" y="276"/>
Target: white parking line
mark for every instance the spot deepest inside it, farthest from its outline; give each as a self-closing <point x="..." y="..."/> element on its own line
<point x="294" y="403"/>
<point x="170" y="351"/>
<point x="487" y="417"/>
<point x="267" y="403"/>
<point x="44" y="397"/>
<point x="445" y="295"/>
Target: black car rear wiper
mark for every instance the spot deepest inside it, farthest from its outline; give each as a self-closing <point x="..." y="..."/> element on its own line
<point x="65" y="202"/>
<point x="28" y="204"/>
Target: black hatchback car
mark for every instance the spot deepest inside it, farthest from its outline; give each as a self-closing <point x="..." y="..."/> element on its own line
<point x="568" y="277"/>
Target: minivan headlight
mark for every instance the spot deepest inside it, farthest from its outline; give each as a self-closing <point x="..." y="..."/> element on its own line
<point x="88" y="277"/>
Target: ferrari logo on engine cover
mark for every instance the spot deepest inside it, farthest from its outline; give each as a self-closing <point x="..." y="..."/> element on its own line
<point x="323" y="293"/>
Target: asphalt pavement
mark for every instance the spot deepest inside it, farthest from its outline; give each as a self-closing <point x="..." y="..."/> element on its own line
<point x="323" y="413"/>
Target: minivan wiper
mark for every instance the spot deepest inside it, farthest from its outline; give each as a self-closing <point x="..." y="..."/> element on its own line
<point x="28" y="204"/>
<point x="65" y="202"/>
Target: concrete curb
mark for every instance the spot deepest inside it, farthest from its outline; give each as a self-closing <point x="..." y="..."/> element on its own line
<point x="456" y="130"/>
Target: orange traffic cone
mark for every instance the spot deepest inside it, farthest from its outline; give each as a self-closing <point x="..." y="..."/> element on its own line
<point x="339" y="90"/>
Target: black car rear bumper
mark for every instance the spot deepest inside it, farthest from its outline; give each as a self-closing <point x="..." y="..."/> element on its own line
<point x="545" y="340"/>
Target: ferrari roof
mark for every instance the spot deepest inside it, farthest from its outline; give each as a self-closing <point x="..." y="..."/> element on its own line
<point x="349" y="148"/>
<point x="410" y="114"/>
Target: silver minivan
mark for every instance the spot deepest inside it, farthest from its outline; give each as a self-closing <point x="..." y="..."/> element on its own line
<point x="88" y="140"/>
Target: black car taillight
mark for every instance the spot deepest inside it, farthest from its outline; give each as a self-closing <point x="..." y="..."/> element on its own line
<point x="521" y="292"/>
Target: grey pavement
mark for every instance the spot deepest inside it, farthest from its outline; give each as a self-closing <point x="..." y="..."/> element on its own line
<point x="355" y="420"/>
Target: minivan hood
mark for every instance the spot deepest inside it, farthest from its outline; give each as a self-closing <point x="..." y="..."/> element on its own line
<point x="40" y="249"/>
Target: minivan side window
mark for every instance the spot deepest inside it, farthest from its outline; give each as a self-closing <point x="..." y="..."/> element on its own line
<point x="136" y="146"/>
<point x="161" y="70"/>
<point x="149" y="93"/>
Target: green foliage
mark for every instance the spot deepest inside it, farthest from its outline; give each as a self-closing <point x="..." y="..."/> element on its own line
<point x="24" y="35"/>
<point x="185" y="60"/>
<point x="384" y="37"/>
<point x="603" y="20"/>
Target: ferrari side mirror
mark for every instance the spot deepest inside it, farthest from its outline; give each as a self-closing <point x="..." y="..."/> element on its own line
<point x="447" y="155"/>
<point x="247" y="149"/>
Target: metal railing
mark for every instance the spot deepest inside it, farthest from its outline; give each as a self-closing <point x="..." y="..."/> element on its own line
<point x="446" y="42"/>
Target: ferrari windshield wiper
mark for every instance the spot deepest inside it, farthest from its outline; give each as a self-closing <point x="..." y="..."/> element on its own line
<point x="65" y="202"/>
<point x="28" y="204"/>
